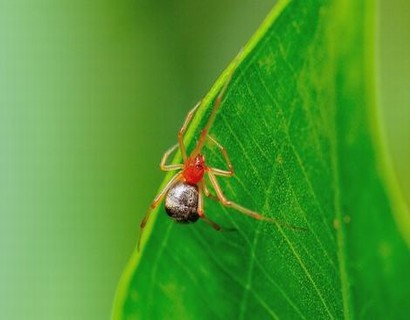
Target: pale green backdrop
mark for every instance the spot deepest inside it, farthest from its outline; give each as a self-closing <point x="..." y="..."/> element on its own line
<point x="91" y="94"/>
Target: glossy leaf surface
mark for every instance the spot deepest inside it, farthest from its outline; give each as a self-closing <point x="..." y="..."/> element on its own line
<point x="298" y="121"/>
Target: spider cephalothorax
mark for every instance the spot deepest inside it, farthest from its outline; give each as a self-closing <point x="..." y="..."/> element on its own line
<point x="194" y="169"/>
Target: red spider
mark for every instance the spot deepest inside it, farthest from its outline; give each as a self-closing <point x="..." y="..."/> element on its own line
<point x="184" y="192"/>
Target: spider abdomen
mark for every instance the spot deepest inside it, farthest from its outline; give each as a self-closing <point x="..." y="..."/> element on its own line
<point x="181" y="202"/>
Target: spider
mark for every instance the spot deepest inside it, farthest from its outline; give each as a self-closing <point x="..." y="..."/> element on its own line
<point x="183" y="194"/>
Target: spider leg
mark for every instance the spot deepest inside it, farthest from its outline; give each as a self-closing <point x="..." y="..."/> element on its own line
<point x="169" y="167"/>
<point x="220" y="172"/>
<point x="182" y="131"/>
<point x="244" y="210"/>
<point x="205" y="189"/>
<point x="216" y="106"/>
<point x="201" y="214"/>
<point x="207" y="193"/>
<point x="155" y="203"/>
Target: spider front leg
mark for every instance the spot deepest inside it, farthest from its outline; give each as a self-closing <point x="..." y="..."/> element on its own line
<point x="219" y="172"/>
<point x="182" y="131"/>
<point x="155" y="203"/>
<point x="169" y="167"/>
<point x="217" y="104"/>
<point x="241" y="209"/>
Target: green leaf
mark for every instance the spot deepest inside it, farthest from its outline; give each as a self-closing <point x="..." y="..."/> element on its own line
<point x="300" y="125"/>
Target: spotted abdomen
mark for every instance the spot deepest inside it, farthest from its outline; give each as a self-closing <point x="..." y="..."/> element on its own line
<point x="181" y="202"/>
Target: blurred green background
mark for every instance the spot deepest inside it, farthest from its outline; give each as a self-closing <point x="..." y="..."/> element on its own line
<point x="91" y="94"/>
